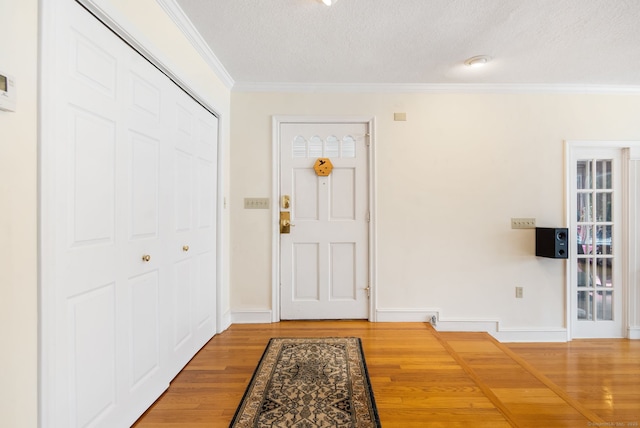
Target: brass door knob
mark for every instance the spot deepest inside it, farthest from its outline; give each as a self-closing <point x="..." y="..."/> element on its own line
<point x="285" y="222"/>
<point x="146" y="258"/>
<point x="185" y="248"/>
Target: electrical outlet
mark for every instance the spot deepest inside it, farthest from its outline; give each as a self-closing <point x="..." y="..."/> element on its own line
<point x="523" y="223"/>
<point x="256" y="203"/>
<point x="519" y="292"/>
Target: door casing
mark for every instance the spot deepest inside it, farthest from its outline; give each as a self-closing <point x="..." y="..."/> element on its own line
<point x="628" y="242"/>
<point x="277" y="121"/>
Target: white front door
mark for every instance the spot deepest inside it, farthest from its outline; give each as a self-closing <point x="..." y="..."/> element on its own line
<point x="597" y="226"/>
<point x="324" y="258"/>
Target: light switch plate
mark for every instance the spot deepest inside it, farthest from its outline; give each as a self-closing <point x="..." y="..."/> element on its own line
<point x="523" y="223"/>
<point x="256" y="203"/>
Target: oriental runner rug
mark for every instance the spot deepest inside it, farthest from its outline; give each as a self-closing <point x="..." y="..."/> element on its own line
<point x="309" y="382"/>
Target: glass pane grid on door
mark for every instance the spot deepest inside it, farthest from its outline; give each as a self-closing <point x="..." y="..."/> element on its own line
<point x="594" y="239"/>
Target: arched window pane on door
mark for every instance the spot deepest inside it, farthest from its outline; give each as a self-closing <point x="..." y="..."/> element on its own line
<point x="348" y="147"/>
<point x="332" y="147"/>
<point x="315" y="147"/>
<point x="299" y="147"/>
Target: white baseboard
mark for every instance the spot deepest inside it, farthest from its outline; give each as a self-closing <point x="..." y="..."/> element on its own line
<point x="634" y="333"/>
<point x="488" y="326"/>
<point x="405" y="315"/>
<point x="530" y="335"/>
<point x="491" y="326"/>
<point x="251" y="317"/>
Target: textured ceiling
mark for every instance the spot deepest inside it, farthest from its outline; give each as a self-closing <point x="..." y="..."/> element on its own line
<point x="583" y="42"/>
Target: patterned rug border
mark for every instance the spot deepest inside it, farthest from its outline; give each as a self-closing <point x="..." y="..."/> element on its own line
<point x="367" y="383"/>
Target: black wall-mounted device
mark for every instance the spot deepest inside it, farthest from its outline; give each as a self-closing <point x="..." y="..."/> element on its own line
<point x="552" y="242"/>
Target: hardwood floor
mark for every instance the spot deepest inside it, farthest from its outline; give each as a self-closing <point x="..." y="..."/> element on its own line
<point x="424" y="378"/>
<point x="602" y="375"/>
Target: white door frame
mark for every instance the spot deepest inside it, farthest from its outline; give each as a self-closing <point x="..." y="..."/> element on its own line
<point x="47" y="151"/>
<point x="628" y="244"/>
<point x="277" y="121"/>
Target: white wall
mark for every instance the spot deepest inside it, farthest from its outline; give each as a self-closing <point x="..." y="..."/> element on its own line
<point x="448" y="181"/>
<point x="18" y="218"/>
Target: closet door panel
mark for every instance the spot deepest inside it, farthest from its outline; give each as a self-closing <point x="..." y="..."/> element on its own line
<point x="205" y="292"/>
<point x="92" y="381"/>
<point x="145" y="186"/>
<point x="144" y="366"/>
<point x="85" y="296"/>
<point x="129" y="294"/>
<point x="144" y="329"/>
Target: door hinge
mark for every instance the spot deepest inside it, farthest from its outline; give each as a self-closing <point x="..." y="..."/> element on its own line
<point x="368" y="216"/>
<point x="367" y="139"/>
<point x="368" y="289"/>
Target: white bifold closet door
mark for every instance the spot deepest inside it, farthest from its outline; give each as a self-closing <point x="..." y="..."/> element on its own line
<point x="133" y="291"/>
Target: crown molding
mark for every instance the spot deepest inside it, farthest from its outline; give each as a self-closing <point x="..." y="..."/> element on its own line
<point x="438" y="88"/>
<point x="184" y="24"/>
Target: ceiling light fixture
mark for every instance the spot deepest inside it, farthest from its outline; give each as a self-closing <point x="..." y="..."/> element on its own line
<point x="477" y="61"/>
<point x="328" y="2"/>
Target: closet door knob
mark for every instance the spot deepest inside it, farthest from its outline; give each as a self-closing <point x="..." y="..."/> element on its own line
<point x="185" y="248"/>
<point x="146" y="258"/>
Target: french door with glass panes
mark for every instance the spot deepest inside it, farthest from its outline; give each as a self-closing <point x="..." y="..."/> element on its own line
<point x="596" y="280"/>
